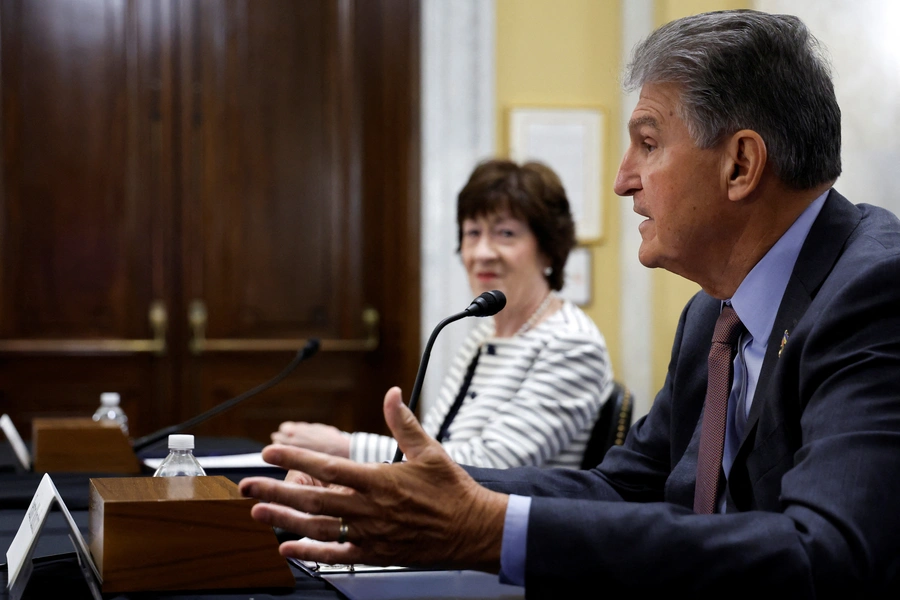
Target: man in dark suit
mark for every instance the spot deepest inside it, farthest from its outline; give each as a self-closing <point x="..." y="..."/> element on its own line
<point x="735" y="145"/>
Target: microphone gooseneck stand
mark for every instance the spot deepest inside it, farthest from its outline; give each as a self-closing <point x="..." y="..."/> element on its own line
<point x="485" y="305"/>
<point x="311" y="347"/>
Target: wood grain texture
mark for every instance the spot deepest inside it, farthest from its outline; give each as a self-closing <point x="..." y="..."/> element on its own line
<point x="260" y="156"/>
<point x="180" y="533"/>
<point x="81" y="445"/>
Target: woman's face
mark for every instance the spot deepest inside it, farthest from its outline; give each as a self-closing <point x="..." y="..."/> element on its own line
<point x="500" y="252"/>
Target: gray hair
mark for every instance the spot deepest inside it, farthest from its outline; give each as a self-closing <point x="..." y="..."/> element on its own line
<point x="745" y="69"/>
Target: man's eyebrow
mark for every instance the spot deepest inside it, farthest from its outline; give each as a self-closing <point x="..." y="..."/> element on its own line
<point x="644" y="120"/>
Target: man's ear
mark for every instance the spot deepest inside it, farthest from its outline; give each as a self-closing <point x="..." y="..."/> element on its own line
<point x="746" y="157"/>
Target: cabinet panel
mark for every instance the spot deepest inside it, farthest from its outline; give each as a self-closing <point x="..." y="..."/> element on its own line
<point x="74" y="248"/>
<point x="267" y="200"/>
<point x="257" y="159"/>
<point x="80" y="237"/>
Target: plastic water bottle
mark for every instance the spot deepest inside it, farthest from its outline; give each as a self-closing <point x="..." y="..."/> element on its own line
<point x="181" y="459"/>
<point x="111" y="412"/>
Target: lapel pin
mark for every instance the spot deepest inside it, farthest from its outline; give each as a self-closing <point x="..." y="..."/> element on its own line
<point x="784" y="340"/>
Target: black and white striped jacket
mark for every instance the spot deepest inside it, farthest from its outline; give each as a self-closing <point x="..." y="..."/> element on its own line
<point x="533" y="398"/>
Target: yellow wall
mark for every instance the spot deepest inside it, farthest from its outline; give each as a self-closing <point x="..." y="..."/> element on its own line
<point x="669" y="10"/>
<point x="567" y="53"/>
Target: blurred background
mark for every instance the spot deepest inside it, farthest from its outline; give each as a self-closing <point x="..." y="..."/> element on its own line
<point x="190" y="188"/>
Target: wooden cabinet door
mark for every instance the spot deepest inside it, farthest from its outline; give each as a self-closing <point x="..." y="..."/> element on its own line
<point x="247" y="166"/>
<point x="272" y="208"/>
<point x="82" y="204"/>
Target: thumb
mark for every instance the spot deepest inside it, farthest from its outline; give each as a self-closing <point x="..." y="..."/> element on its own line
<point x="404" y="425"/>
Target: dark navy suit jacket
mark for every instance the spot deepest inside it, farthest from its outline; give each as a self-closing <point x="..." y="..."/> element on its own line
<point x="813" y="496"/>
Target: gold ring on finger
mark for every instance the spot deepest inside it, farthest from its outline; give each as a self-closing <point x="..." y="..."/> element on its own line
<point x="342" y="531"/>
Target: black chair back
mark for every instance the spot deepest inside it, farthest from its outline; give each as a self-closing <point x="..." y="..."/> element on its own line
<point x="611" y="426"/>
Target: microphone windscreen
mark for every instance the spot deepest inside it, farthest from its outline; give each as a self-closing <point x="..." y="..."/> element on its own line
<point x="487" y="304"/>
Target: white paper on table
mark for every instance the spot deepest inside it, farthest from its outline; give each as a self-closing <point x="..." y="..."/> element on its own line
<point x="232" y="461"/>
<point x="317" y="569"/>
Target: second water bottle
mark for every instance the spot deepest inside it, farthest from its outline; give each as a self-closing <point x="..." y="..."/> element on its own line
<point x="181" y="459"/>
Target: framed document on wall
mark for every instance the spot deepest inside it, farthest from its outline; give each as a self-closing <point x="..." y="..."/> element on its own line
<point x="569" y="141"/>
<point x="577" y="280"/>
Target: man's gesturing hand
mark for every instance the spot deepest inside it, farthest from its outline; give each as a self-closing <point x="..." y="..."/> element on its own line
<point x="423" y="512"/>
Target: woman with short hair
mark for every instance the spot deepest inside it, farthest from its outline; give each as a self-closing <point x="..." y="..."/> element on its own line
<point x="527" y="385"/>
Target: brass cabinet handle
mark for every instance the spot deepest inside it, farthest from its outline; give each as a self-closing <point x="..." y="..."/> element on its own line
<point x="158" y="323"/>
<point x="197" y="317"/>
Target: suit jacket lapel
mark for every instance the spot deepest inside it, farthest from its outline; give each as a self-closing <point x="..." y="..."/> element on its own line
<point x="823" y="246"/>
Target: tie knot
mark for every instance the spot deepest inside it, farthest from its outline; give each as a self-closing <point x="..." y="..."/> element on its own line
<point x="728" y="327"/>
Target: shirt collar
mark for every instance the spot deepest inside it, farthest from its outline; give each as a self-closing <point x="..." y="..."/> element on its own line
<point x="758" y="297"/>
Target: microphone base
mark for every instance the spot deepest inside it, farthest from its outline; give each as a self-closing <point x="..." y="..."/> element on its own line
<point x="81" y="445"/>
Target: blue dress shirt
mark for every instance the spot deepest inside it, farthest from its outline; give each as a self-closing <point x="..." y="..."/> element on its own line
<point x="756" y="303"/>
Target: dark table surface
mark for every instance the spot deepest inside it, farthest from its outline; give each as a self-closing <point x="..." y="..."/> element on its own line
<point x="56" y="572"/>
<point x="60" y="577"/>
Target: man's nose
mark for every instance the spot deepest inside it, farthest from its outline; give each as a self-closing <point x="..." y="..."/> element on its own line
<point x="627" y="180"/>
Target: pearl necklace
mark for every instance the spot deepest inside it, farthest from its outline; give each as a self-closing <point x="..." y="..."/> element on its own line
<point x="536" y="315"/>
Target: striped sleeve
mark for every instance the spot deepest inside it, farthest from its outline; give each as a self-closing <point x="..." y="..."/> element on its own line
<point x="371" y="447"/>
<point x="545" y="420"/>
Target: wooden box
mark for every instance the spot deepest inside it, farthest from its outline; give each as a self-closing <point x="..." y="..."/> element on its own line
<point x="81" y="445"/>
<point x="180" y="533"/>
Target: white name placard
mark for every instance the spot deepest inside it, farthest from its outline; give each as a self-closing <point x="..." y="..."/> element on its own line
<point x="18" y="446"/>
<point x="19" y="555"/>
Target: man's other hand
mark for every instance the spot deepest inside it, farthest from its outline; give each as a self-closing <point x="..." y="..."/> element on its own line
<point x="315" y="436"/>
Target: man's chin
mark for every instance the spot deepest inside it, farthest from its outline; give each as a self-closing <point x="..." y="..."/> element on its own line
<point x="648" y="258"/>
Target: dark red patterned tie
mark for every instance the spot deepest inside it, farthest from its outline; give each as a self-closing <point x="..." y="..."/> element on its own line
<point x="712" y="432"/>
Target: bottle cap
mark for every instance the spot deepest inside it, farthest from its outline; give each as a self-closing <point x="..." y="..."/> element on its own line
<point x="109" y="398"/>
<point x="181" y="442"/>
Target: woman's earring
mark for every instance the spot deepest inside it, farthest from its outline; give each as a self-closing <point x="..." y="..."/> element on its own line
<point x="548" y="271"/>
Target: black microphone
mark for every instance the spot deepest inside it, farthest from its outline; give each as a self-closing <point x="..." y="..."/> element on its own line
<point x="311" y="347"/>
<point x="487" y="304"/>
